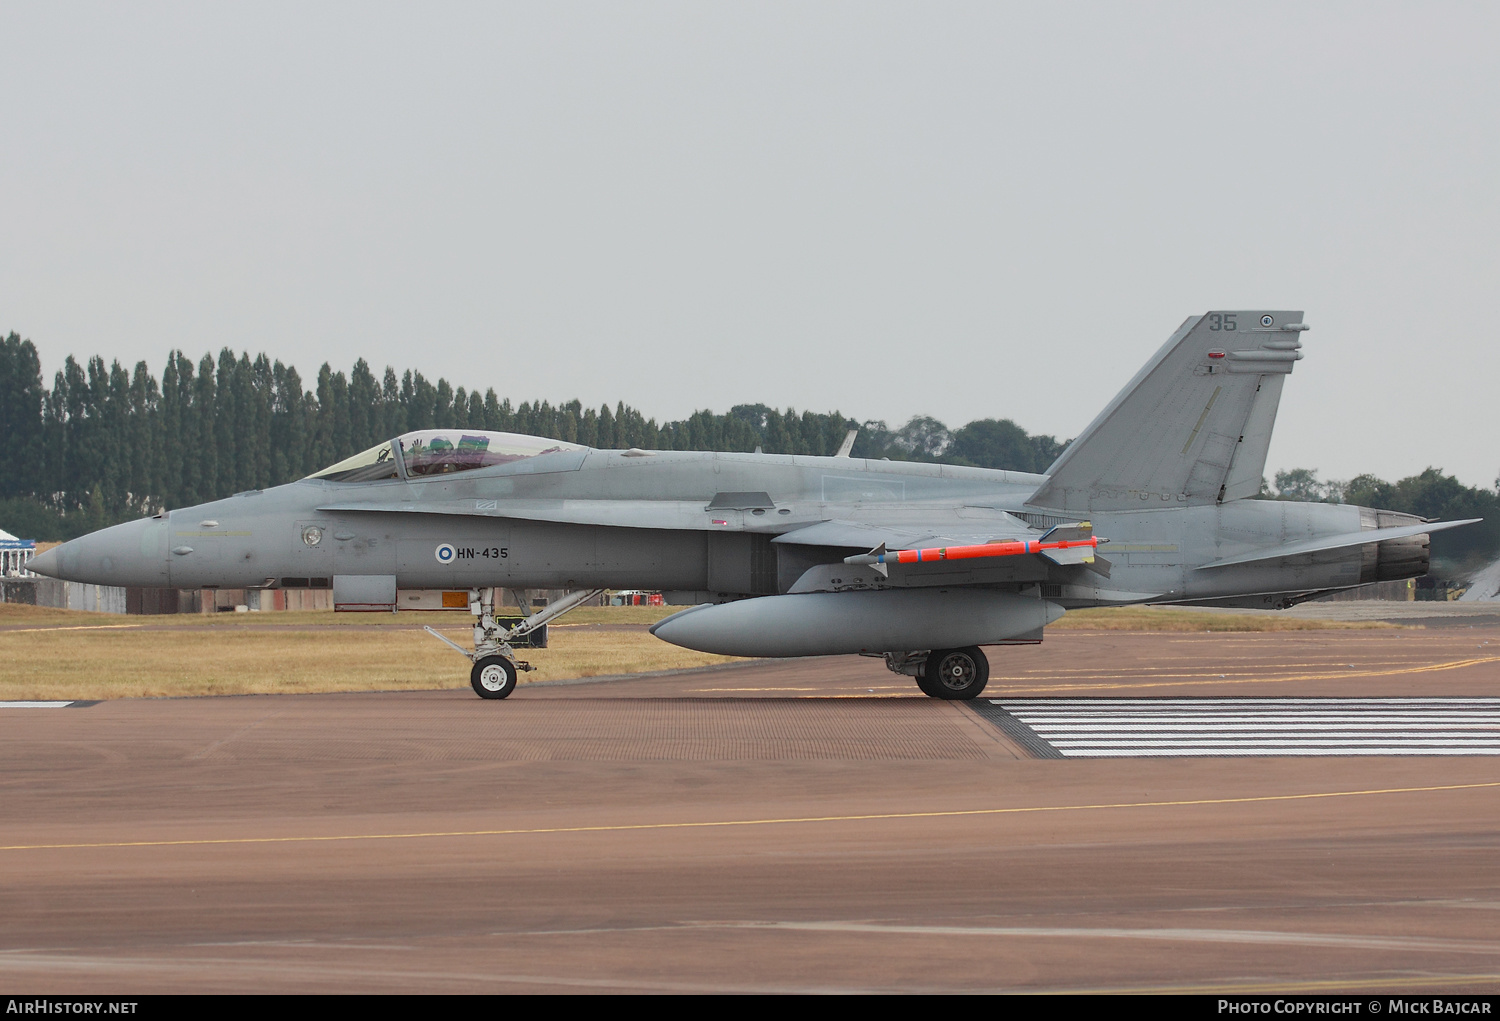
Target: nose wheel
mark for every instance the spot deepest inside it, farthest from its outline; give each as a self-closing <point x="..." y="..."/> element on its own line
<point x="954" y="674"/>
<point x="493" y="677"/>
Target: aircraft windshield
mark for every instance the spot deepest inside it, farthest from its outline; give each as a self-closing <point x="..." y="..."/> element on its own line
<point x="379" y="462"/>
<point x="443" y="451"/>
<point x="440" y="452"/>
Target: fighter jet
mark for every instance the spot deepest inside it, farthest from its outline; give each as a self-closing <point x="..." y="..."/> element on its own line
<point x="790" y="555"/>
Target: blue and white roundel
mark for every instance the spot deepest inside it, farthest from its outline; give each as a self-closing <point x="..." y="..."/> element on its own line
<point x="445" y="554"/>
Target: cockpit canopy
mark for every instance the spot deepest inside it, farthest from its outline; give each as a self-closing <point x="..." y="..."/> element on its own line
<point x="427" y="452"/>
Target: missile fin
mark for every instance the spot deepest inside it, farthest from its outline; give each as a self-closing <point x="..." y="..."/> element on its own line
<point x="1076" y="530"/>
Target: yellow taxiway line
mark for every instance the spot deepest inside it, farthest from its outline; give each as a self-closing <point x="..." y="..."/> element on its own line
<point x="70" y="627"/>
<point x="720" y="823"/>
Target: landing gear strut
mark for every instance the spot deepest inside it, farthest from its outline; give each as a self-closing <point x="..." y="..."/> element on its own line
<point x="495" y="663"/>
<point x="953" y="674"/>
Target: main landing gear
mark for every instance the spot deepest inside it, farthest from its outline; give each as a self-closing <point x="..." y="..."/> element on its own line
<point x="953" y="674"/>
<point x="495" y="664"/>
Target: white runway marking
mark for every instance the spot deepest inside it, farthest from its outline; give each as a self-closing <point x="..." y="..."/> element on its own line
<point x="1102" y="728"/>
<point x="1399" y="944"/>
<point x="34" y="705"/>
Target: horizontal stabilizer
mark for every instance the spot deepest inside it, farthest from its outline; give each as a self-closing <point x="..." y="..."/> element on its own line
<point x="1330" y="542"/>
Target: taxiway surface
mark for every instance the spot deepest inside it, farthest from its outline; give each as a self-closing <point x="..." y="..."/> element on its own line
<point x="797" y="826"/>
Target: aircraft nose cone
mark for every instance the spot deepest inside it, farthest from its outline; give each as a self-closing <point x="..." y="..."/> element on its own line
<point x="124" y="555"/>
<point x="72" y="561"/>
<point x="45" y="563"/>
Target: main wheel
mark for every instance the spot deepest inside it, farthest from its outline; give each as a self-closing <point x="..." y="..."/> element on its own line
<point x="493" y="677"/>
<point x="955" y="673"/>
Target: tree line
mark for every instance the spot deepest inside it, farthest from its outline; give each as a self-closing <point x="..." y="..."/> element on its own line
<point x="104" y="443"/>
<point x="1428" y="494"/>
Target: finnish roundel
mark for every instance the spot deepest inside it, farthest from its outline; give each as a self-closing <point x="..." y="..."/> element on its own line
<point x="444" y="554"/>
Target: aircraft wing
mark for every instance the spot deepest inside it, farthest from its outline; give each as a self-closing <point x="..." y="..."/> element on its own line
<point x="1330" y="542"/>
<point x="864" y="535"/>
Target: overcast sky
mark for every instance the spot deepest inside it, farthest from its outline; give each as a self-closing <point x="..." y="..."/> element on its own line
<point x="961" y="210"/>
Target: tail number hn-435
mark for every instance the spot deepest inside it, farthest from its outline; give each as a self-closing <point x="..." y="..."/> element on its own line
<point x="447" y="553"/>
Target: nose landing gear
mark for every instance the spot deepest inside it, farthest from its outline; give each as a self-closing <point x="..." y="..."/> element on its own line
<point x="495" y="665"/>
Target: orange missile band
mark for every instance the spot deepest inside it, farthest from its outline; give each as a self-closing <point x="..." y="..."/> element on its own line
<point x="1012" y="548"/>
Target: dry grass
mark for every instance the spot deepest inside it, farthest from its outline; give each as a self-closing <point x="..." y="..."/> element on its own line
<point x="57" y="654"/>
<point x="1150" y="618"/>
<point x="125" y="664"/>
<point x="13" y="615"/>
<point x="63" y="654"/>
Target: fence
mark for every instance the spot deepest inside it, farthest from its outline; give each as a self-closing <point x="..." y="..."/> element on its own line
<point x="64" y="595"/>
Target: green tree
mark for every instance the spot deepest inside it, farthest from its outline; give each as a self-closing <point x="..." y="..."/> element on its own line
<point x="21" y="417"/>
<point x="1300" y="484"/>
<point x="364" y="408"/>
<point x="1000" y="443"/>
<point x="227" y="429"/>
<point x="178" y="470"/>
<point x="261" y="390"/>
<point x="393" y="410"/>
<point x="143" y="441"/>
<point x="205" y="411"/>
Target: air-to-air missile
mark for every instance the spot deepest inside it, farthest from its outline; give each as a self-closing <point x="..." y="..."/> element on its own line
<point x="1058" y="545"/>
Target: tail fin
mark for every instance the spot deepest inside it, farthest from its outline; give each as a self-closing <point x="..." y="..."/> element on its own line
<point x="1192" y="427"/>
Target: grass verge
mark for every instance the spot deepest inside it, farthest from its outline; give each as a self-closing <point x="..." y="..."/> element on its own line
<point x="63" y="654"/>
<point x="1172" y="618"/>
<point x="60" y="654"/>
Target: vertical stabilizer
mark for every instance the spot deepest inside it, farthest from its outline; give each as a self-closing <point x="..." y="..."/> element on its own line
<point x="1192" y="427"/>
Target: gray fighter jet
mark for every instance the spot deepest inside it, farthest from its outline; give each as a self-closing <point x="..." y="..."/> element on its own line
<point x="789" y="555"/>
